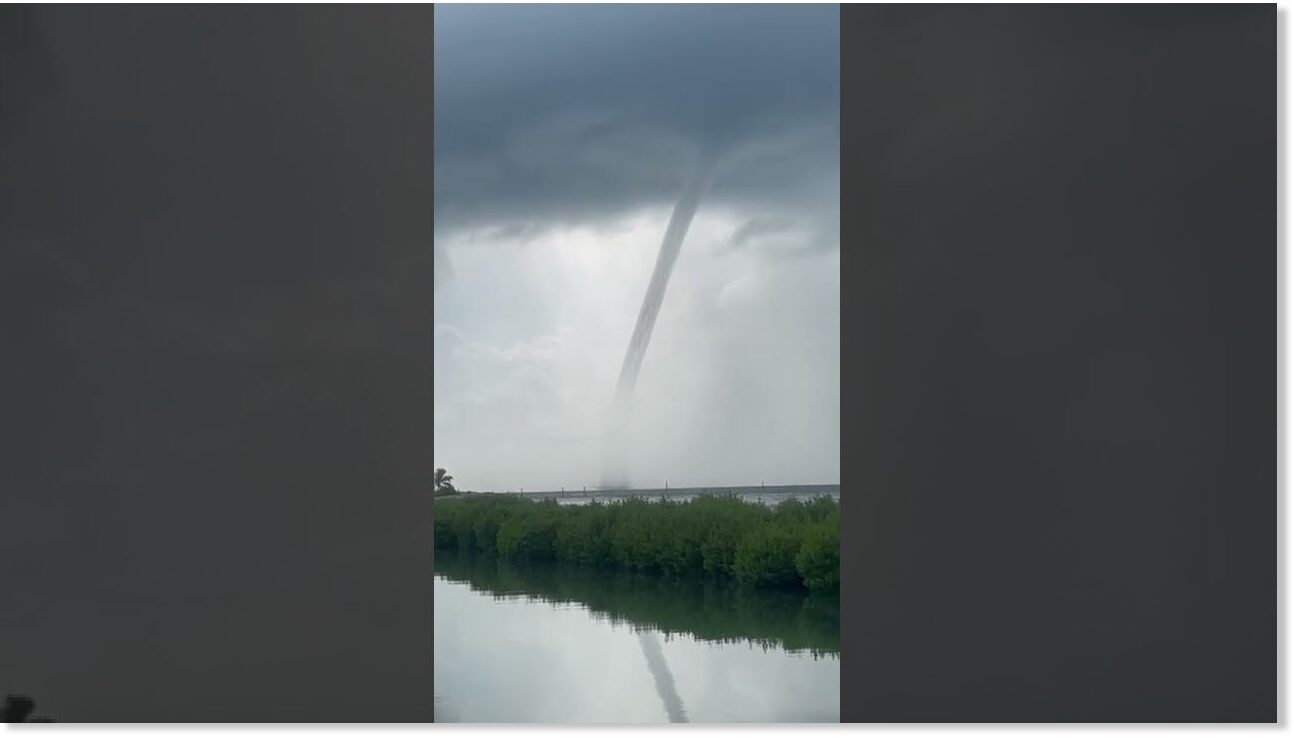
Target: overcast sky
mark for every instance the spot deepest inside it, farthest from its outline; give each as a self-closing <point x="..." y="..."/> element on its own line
<point x="563" y="136"/>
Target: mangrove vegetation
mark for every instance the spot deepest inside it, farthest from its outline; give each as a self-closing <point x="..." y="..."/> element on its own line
<point x="795" y="545"/>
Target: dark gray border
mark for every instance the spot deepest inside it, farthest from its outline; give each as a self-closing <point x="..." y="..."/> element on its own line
<point x="1058" y="363"/>
<point x="215" y="390"/>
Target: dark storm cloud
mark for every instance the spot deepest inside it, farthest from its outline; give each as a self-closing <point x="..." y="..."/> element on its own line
<point x="563" y="112"/>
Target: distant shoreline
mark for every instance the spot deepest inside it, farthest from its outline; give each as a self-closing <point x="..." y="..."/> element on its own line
<point x="814" y="489"/>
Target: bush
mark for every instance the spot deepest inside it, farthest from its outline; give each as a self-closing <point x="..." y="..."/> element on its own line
<point x="818" y="561"/>
<point x="766" y="557"/>
<point x="527" y="539"/>
<point x="719" y="551"/>
<point x="581" y="536"/>
<point x="444" y="535"/>
<point x="795" y="544"/>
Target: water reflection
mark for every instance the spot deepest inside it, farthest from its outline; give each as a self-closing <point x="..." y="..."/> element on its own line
<point x="707" y="610"/>
<point x="556" y="643"/>
<point x="650" y="643"/>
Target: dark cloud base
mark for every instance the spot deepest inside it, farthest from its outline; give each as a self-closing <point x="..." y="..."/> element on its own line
<point x="552" y="112"/>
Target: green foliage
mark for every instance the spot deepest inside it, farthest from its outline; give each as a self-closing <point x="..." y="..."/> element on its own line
<point x="445" y="536"/>
<point x="581" y="536"/>
<point x="718" y="551"/>
<point x="530" y="537"/>
<point x="818" y="561"/>
<point x="794" y="545"/>
<point x="766" y="556"/>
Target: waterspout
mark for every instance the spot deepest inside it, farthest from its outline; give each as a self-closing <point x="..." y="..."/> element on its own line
<point x="615" y="473"/>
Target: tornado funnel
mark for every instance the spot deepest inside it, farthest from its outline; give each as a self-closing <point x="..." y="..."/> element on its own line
<point x="615" y="475"/>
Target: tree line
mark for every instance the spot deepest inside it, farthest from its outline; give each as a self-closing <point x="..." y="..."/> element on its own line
<point x="794" y="545"/>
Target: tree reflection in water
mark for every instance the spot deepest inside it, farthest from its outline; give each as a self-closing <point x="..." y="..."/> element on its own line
<point x="707" y="610"/>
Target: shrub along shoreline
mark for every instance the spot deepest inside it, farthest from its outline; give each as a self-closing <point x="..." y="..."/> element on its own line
<point x="795" y="545"/>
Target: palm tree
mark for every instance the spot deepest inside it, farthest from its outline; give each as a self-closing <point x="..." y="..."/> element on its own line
<point x="443" y="483"/>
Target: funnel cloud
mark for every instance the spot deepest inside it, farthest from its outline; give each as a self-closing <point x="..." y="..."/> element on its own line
<point x="590" y="161"/>
<point x="615" y="475"/>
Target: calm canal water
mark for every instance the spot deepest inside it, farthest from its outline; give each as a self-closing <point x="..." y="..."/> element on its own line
<point x="558" y="644"/>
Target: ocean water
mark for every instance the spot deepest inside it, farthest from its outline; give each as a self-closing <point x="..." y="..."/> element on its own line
<point x="769" y="495"/>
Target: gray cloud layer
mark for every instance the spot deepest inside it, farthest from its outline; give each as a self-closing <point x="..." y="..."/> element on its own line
<point x="569" y="112"/>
